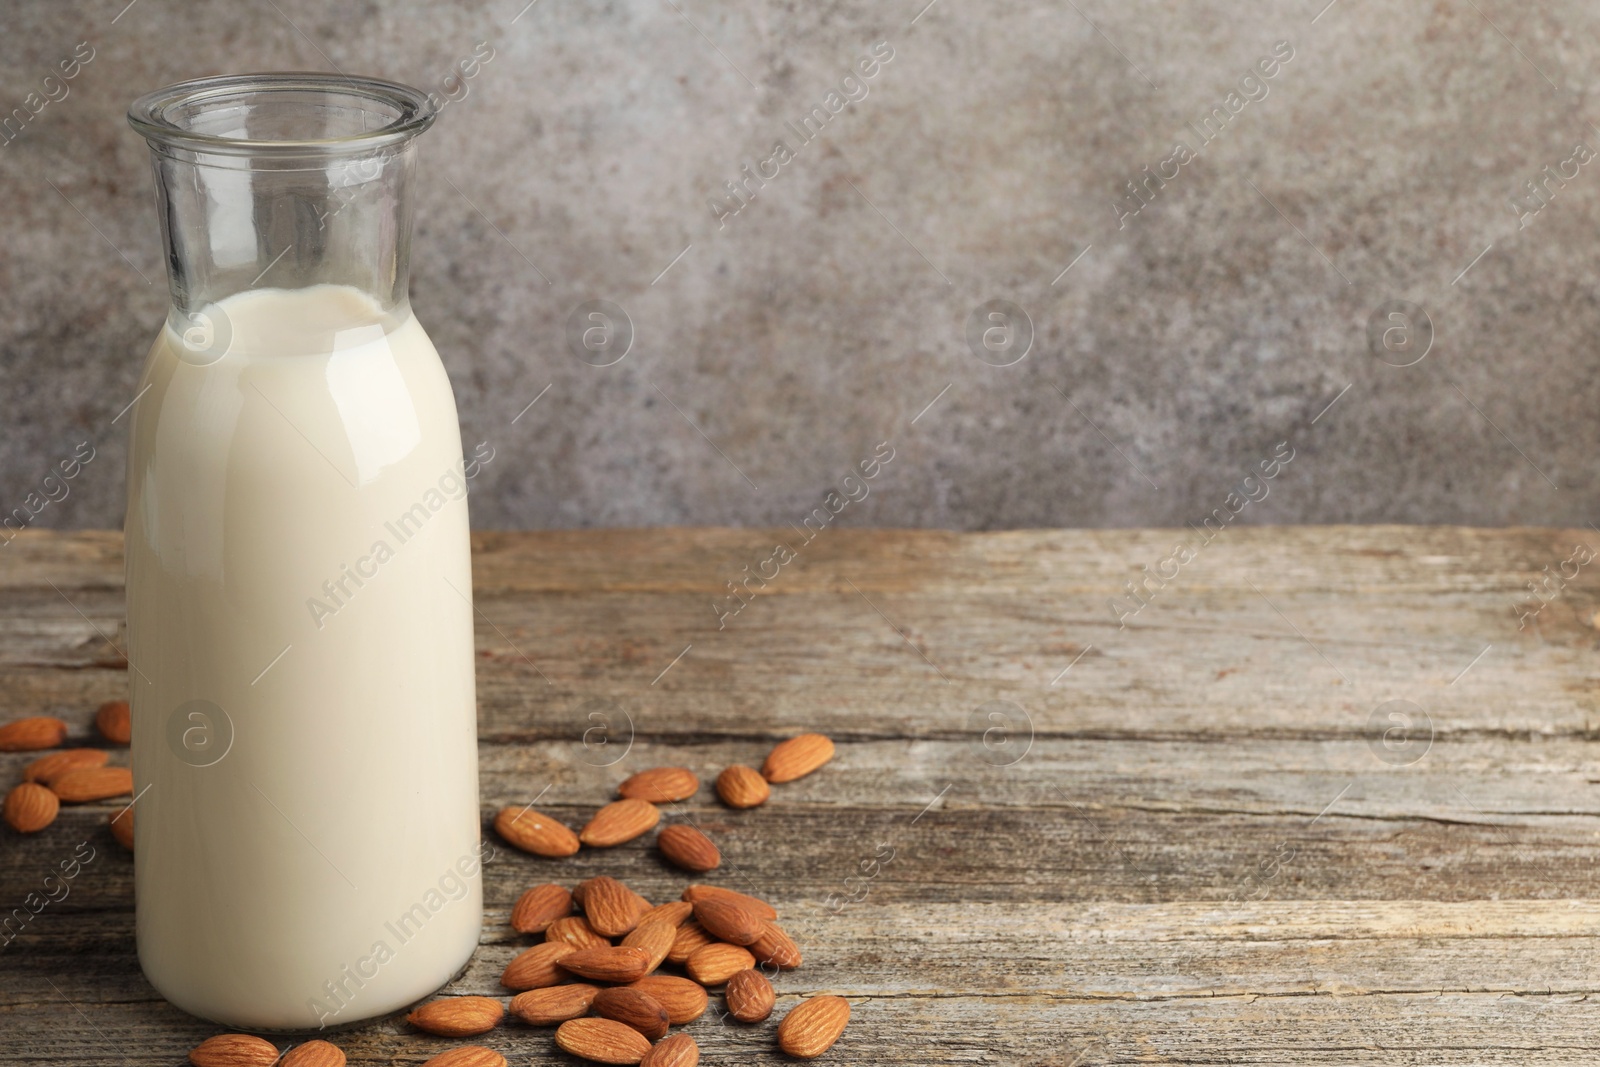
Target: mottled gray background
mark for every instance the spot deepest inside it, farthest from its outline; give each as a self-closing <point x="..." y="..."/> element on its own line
<point x="825" y="317"/>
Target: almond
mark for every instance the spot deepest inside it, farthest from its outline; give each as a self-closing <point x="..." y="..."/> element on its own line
<point x="30" y="807"/>
<point x="458" y="1016"/>
<point x="532" y="832"/>
<point x="697" y="893"/>
<point x="660" y="785"/>
<point x="122" y="827"/>
<point x="575" y="931"/>
<point x="679" y="1050"/>
<point x="611" y="907"/>
<point x="555" y="1004"/>
<point x="715" y="963"/>
<point x="468" y="1056"/>
<point x="32" y="734"/>
<point x="536" y="967"/>
<point x="313" y="1054"/>
<point x="675" y="912"/>
<point x="691" y="935"/>
<point x="602" y="1040"/>
<point x="741" y="787"/>
<point x="812" y="1027"/>
<point x="729" y="920"/>
<point x="796" y="757"/>
<point x="750" y="996"/>
<point x="684" y="1000"/>
<point x="634" y="1008"/>
<point x="46" y="769"/>
<point x="619" y="821"/>
<point x="609" y="964"/>
<point x="93" y="783"/>
<point x="776" y="947"/>
<point x="114" y="720"/>
<point x="540" y="906"/>
<point x="655" y="938"/>
<point x="686" y="847"/>
<point x="234" y="1050"/>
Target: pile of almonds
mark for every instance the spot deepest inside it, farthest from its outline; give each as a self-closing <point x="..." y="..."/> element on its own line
<point x="72" y="776"/>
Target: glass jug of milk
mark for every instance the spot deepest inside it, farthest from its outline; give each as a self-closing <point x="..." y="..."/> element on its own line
<point x="298" y="575"/>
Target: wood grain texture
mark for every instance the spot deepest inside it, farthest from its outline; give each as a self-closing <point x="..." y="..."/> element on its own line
<point x="1187" y="840"/>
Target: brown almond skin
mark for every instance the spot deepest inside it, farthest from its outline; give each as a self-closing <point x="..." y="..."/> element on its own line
<point x="776" y="947"/>
<point x="555" y="1004"/>
<point x="796" y="757"/>
<point x="676" y="912"/>
<point x="812" y="1026"/>
<point x="750" y="996"/>
<point x="696" y="893"/>
<point x="684" y="999"/>
<point x="313" y="1054"/>
<point x="620" y="821"/>
<point x="575" y="931"/>
<point x="30" y="807"/>
<point x="717" y="962"/>
<point x="741" y="787"/>
<point x="686" y="847"/>
<point x="536" y="968"/>
<point x="458" y="1016"/>
<point x="655" y="938"/>
<point x="122" y="827"/>
<point x="234" y="1050"/>
<point x="611" y="907"/>
<point x="84" y="784"/>
<point x="728" y="920"/>
<point x="602" y="1041"/>
<point x="114" y="720"/>
<point x="468" y="1056"/>
<point x="634" y="1008"/>
<point x="540" y="906"/>
<point x="32" y="734"/>
<point x="533" y="832"/>
<point x="679" y="1050"/>
<point x="660" y="785"/>
<point x="609" y="964"/>
<point x="47" y="769"/>
<point x="691" y="936"/>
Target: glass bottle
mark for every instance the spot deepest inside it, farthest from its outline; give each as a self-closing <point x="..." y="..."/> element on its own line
<point x="298" y="572"/>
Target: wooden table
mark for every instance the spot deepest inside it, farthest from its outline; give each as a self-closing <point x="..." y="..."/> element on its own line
<point x="1192" y="842"/>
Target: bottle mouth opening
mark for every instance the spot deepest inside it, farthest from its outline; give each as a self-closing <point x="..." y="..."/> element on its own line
<point x="290" y="114"/>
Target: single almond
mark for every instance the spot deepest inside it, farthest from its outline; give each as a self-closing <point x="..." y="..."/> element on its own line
<point x="741" y="787"/>
<point x="114" y="720"/>
<point x="47" y="769"/>
<point x="532" y="832"/>
<point x="686" y="847"/>
<point x="655" y="938"/>
<point x="611" y="907"/>
<point x="458" y="1016"/>
<point x="234" y="1050"/>
<point x="684" y="1000"/>
<point x="696" y="893"/>
<point x="634" y="1008"/>
<point x="575" y="931"/>
<point x="812" y="1026"/>
<point x="32" y="734"/>
<point x="717" y="962"/>
<point x="555" y="1004"/>
<point x="468" y="1056"/>
<point x="675" y="912"/>
<point x="30" y="807"/>
<point x="776" y="947"/>
<point x="313" y="1054"/>
<point x="609" y="964"/>
<point x="691" y="936"/>
<point x="660" y="785"/>
<point x="540" y="906"/>
<point x="750" y="996"/>
<point x="679" y="1050"/>
<point x="84" y="784"/>
<point x="796" y="757"/>
<point x="536" y="968"/>
<point x="122" y="827"/>
<point x="620" y="821"/>
<point x="602" y="1040"/>
<point x="729" y="920"/>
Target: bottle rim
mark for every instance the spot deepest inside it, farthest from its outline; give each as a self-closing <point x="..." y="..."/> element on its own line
<point x="166" y="116"/>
